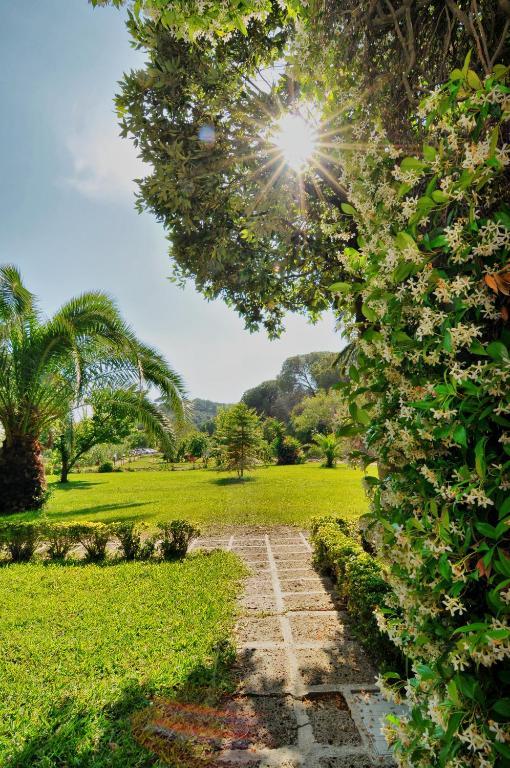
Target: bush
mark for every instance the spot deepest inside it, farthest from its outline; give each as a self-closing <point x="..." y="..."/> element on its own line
<point x="359" y="582"/>
<point x="20" y="540"/>
<point x="176" y="538"/>
<point x="61" y="538"/>
<point x="130" y="537"/>
<point x="94" y="538"/>
<point x="106" y="466"/>
<point x="287" y="451"/>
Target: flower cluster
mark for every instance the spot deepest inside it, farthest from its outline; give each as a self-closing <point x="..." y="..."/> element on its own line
<point x="430" y="392"/>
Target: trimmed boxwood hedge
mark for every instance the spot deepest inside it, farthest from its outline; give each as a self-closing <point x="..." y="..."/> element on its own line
<point x="20" y="540"/>
<point x="339" y="552"/>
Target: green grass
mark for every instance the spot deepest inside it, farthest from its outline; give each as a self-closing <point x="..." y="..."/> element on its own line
<point x="271" y="495"/>
<point x="83" y="647"/>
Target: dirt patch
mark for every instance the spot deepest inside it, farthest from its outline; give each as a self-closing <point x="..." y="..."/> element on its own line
<point x="331" y="720"/>
<point x="258" y="628"/>
<point x="274" y="723"/>
<point x="347" y="664"/>
<point x="321" y="602"/>
<point x="261" y="671"/>
<point x="327" y="629"/>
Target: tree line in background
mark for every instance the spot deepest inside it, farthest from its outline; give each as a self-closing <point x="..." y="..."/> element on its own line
<point x="303" y="395"/>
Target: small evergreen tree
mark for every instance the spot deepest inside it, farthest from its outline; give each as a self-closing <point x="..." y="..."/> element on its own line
<point x="239" y="438"/>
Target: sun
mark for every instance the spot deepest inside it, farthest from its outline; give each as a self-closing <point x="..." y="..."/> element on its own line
<point x="295" y="137"/>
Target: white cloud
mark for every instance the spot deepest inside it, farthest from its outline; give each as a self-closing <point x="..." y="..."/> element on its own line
<point x="104" y="165"/>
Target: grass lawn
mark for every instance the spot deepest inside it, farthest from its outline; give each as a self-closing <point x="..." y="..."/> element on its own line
<point x="271" y="495"/>
<point x="83" y="647"/>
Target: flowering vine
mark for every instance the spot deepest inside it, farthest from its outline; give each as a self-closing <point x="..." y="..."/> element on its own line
<point x="430" y="392"/>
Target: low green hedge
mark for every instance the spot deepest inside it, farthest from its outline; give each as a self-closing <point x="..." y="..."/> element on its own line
<point x="339" y="552"/>
<point x="19" y="541"/>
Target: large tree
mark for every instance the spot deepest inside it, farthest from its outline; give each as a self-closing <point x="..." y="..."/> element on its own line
<point x="46" y="365"/>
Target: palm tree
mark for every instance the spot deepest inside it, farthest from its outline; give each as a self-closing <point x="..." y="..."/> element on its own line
<point x="329" y="445"/>
<point x="47" y="366"/>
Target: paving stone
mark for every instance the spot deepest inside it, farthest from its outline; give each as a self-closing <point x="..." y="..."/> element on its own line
<point x="258" y="585"/>
<point x="258" y="628"/>
<point x="259" y="603"/>
<point x="320" y="602"/>
<point x="331" y="720"/>
<point x="261" y="671"/>
<point x="292" y="562"/>
<point x="253" y="555"/>
<point x="288" y="553"/>
<point x="354" y="761"/>
<point x="302" y="584"/>
<point x="274" y="723"/>
<point x="347" y="664"/>
<point x="317" y="628"/>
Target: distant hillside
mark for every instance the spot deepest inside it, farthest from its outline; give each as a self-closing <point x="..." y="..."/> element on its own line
<point x="204" y="410"/>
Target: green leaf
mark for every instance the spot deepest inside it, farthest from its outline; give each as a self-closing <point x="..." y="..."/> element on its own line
<point x="473" y="80"/>
<point x="447" y="341"/>
<point x="369" y="313"/>
<point x="480" y="462"/>
<point x="340" y="287"/>
<point x="429" y="153"/>
<point x="460" y="435"/>
<point x="487" y="530"/>
<point x="413" y="164"/>
<point x="354" y="373"/>
<point x="504" y="509"/>
<point x="502" y="707"/>
<point x="363" y="417"/>
<point x="497" y="351"/>
<point x="438" y="196"/>
<point x="348" y="209"/>
<point x="404" y="241"/>
<point x="456" y="74"/>
<point x="439" y="242"/>
<point x="477" y="349"/>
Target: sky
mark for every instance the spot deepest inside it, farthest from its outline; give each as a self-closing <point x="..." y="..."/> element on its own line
<point x="67" y="216"/>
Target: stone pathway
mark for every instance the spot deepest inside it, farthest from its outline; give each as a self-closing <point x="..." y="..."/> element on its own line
<point x="299" y="669"/>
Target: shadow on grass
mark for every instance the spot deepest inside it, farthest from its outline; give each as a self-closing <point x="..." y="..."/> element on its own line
<point x="109" y="736"/>
<point x="233" y="480"/>
<point x="100" y="508"/>
<point x="72" y="485"/>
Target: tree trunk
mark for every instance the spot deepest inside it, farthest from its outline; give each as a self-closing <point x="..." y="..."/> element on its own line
<point x="64" y="471"/>
<point x="22" y="480"/>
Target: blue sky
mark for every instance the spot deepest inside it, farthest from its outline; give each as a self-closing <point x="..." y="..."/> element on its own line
<point x="67" y="218"/>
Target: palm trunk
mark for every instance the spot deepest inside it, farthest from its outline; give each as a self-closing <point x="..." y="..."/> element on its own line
<point x="22" y="480"/>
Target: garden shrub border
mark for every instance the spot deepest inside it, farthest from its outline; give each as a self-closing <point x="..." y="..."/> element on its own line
<point x="21" y="539"/>
<point x="338" y="551"/>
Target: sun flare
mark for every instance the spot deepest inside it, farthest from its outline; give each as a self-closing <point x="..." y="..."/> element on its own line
<point x="295" y="137"/>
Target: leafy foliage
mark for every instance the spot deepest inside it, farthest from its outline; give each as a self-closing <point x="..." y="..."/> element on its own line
<point x="430" y="395"/>
<point x="322" y="413"/>
<point x="176" y="538"/>
<point x="359" y="579"/>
